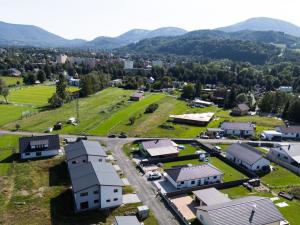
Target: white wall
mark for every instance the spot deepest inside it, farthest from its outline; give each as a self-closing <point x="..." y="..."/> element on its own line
<point x="84" y="159"/>
<point x="260" y="164"/>
<point x="107" y="192"/>
<point x="238" y="132"/>
<point x="32" y="155"/>
<point x="90" y="198"/>
<point x="203" y="217"/>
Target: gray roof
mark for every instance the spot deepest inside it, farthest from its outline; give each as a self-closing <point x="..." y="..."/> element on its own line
<point x="237" y="126"/>
<point x="157" y="143"/>
<point x="51" y="140"/>
<point x="242" y="107"/>
<point x="84" y="147"/>
<point x="293" y="150"/>
<point x="240" y="212"/>
<point x="289" y="129"/>
<point x="137" y="95"/>
<point x="127" y="220"/>
<point x="211" y="196"/>
<point x="245" y="152"/>
<point x="94" y="173"/>
<point x="179" y="174"/>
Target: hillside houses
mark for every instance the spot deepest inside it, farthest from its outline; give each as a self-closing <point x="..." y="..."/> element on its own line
<point x="289" y="132"/>
<point x="238" y="129"/>
<point x="247" y="157"/>
<point x="190" y="176"/>
<point x="240" y="110"/>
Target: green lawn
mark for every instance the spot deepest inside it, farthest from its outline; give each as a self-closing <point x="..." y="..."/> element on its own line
<point x="230" y="173"/>
<point x="11" y="80"/>
<point x="281" y="177"/>
<point x="35" y="95"/>
<point x="8" y="144"/>
<point x="188" y="150"/>
<point x="10" y="113"/>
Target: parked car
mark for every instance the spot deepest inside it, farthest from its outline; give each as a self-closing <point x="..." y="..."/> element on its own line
<point x="217" y="148"/>
<point x="153" y="175"/>
<point x="122" y="135"/>
<point x="81" y="138"/>
<point x="112" y="136"/>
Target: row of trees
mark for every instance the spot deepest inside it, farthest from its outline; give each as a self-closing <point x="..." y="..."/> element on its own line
<point x="92" y="83"/>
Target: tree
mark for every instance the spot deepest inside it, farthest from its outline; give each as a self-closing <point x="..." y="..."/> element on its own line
<point x="242" y="98"/>
<point x="131" y="120"/>
<point x="188" y="91"/>
<point x="61" y="86"/>
<point x="294" y="110"/>
<point x="17" y="126"/>
<point x="4" y="90"/>
<point x="29" y="78"/>
<point x="198" y="89"/>
<point x="41" y="76"/>
<point x="151" y="108"/>
<point x="55" y="101"/>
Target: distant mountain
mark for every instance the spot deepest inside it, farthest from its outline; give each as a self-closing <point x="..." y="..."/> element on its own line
<point x="256" y="47"/>
<point x="133" y="36"/>
<point x="264" y="24"/>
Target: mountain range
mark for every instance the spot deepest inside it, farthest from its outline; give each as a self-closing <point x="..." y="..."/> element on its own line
<point x="259" y="29"/>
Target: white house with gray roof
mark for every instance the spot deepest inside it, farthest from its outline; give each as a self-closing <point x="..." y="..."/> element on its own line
<point x="83" y="152"/>
<point x="95" y="186"/>
<point x="209" y="196"/>
<point x="247" y="157"/>
<point x="244" y="211"/>
<point x="238" y="129"/>
<point x="289" y="132"/>
<point x="159" y="148"/>
<point x="191" y="176"/>
<point x="287" y="153"/>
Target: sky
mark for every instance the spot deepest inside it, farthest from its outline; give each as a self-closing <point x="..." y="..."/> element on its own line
<point x="87" y="19"/>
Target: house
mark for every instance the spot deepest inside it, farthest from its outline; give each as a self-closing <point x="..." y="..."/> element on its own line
<point x="150" y="80"/>
<point x="116" y="83"/>
<point x="287" y="89"/>
<point x="271" y="135"/>
<point x="83" y="152"/>
<point x="287" y="153"/>
<point x="95" y="186"/>
<point x="74" y="82"/>
<point x="137" y="96"/>
<point x="128" y="65"/>
<point x="200" y="119"/>
<point x="238" y="129"/>
<point x="243" y="211"/>
<point x="209" y="196"/>
<point x="201" y="103"/>
<point x="126" y="220"/>
<point x="191" y="176"/>
<point x="289" y="132"/>
<point x="39" y="146"/>
<point x="61" y="58"/>
<point x="247" y="157"/>
<point x="159" y="148"/>
<point x="240" y="110"/>
<point x="14" y="72"/>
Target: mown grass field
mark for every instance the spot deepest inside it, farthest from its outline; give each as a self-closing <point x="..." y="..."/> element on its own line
<point x="10" y="113"/>
<point x="11" y="80"/>
<point x="109" y="111"/>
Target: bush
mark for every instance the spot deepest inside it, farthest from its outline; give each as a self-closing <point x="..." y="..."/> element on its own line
<point x="151" y="108"/>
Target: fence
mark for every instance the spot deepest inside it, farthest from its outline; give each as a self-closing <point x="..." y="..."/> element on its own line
<point x="169" y="159"/>
<point x="219" y="186"/>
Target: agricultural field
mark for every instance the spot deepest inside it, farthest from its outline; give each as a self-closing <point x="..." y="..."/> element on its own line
<point x="109" y="111"/>
<point x="10" y="113"/>
<point x="12" y="80"/>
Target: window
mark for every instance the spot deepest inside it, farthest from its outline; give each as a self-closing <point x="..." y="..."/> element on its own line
<point x="100" y="160"/>
<point x="27" y="153"/>
<point x="115" y="190"/>
<point x="96" y="192"/>
<point x="84" y="194"/>
<point x="182" y="182"/>
<point x="257" y="167"/>
<point x="84" y="205"/>
<point x="215" y="177"/>
<point x="108" y="200"/>
<point x="192" y="182"/>
<point x="38" y="153"/>
<point x="96" y="201"/>
<point x="83" y="161"/>
<point x="74" y="162"/>
<point x="115" y="199"/>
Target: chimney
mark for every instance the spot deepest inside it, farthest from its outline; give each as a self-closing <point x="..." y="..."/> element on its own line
<point x="254" y="208"/>
<point x="289" y="147"/>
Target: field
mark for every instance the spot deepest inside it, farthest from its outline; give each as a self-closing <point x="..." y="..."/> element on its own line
<point x="109" y="111"/>
<point x="230" y="173"/>
<point x="11" y="80"/>
<point x="39" y="191"/>
<point x="10" y="113"/>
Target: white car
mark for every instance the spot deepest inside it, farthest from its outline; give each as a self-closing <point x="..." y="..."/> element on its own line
<point x="153" y="175"/>
<point x="217" y="148"/>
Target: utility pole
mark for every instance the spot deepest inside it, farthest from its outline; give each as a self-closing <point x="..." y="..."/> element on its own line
<point x="77" y="107"/>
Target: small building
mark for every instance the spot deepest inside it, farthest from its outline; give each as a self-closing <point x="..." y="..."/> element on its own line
<point x="191" y="176"/>
<point x="14" y="72"/>
<point x="200" y="119"/>
<point x="271" y="135"/>
<point x="61" y="58"/>
<point x="238" y="129"/>
<point x="287" y="153"/>
<point x="150" y="80"/>
<point x="159" y="148"/>
<point x="242" y="211"/>
<point x="83" y="152"/>
<point x="74" y="82"/>
<point x="39" y="146"/>
<point x="137" y="96"/>
<point x="289" y="132"/>
<point x="95" y="186"/>
<point x="201" y="103"/>
<point x="240" y="110"/>
<point x="209" y="196"/>
<point x="126" y="220"/>
<point x="287" y="89"/>
<point x="247" y="157"/>
<point x="116" y="83"/>
<point x="128" y="65"/>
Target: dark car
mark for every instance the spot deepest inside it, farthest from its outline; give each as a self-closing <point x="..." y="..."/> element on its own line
<point x="81" y="138"/>
<point x="112" y="136"/>
<point x="122" y="135"/>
